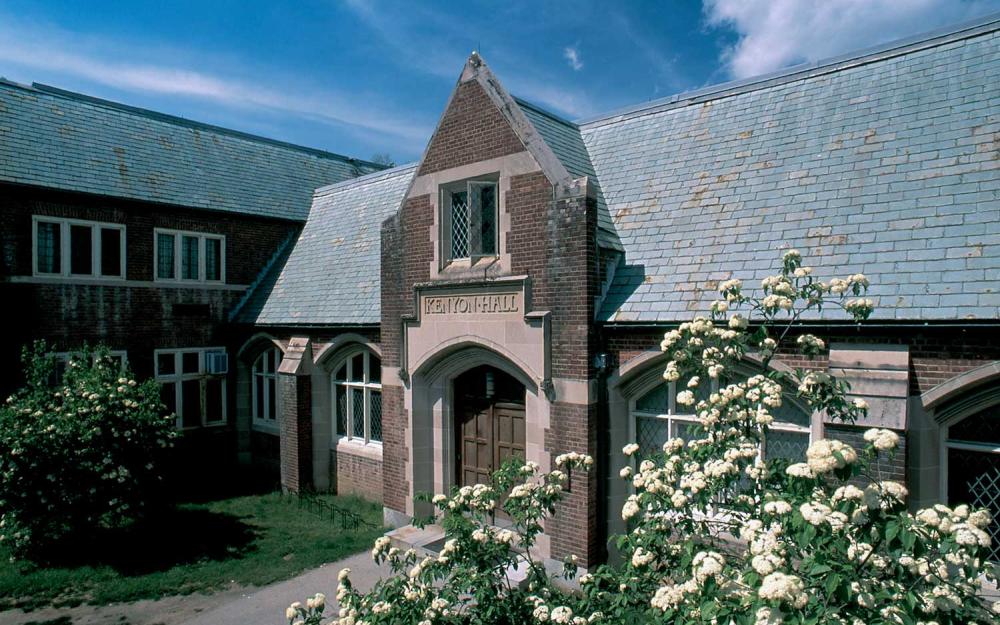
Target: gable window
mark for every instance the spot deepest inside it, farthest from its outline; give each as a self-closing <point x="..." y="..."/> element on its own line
<point x="78" y="248"/>
<point x="265" y="387"/>
<point x="189" y="256"/>
<point x="470" y="216"/>
<point x="193" y="384"/>
<point x="357" y="398"/>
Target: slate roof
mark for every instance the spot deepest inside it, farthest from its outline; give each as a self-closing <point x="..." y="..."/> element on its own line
<point x="886" y="163"/>
<point x="564" y="138"/>
<point x="331" y="276"/>
<point x="63" y="140"/>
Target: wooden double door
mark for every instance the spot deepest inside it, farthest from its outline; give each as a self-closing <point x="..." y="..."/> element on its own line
<point x="489" y="423"/>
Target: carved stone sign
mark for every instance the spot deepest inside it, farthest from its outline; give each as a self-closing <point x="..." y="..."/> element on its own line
<point x="484" y="304"/>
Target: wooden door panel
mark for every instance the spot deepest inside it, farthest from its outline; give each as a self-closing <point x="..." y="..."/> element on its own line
<point x="510" y="433"/>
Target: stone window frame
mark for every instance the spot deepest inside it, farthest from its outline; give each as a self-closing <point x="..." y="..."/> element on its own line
<point x="445" y="211"/>
<point x="367" y="387"/>
<point x="260" y="375"/>
<point x="178" y="249"/>
<point x="65" y="269"/>
<point x="178" y="376"/>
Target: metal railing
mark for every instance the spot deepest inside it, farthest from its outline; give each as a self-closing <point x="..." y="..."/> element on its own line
<point x="337" y="515"/>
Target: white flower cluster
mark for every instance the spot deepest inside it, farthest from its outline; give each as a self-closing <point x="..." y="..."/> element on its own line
<point x="966" y="527"/>
<point x="784" y="588"/>
<point x="574" y="459"/>
<point x="479" y="497"/>
<point x="765" y="545"/>
<point x="859" y="308"/>
<point x="826" y="455"/>
<point x="882" y="439"/>
<point x="810" y="344"/>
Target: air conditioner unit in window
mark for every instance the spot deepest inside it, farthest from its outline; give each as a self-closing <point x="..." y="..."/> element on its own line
<point x="216" y="362"/>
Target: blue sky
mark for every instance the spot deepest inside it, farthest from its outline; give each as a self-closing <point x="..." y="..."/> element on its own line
<point x="361" y="78"/>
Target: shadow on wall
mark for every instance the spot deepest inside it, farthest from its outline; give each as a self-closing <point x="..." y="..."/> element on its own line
<point x="627" y="280"/>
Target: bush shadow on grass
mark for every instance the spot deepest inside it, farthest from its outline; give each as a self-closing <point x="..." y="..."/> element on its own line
<point x="172" y="537"/>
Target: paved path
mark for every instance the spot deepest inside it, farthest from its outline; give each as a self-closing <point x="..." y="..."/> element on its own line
<point x="266" y="606"/>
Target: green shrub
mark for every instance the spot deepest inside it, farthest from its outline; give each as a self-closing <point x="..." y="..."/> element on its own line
<point x="78" y="454"/>
<point x="718" y="534"/>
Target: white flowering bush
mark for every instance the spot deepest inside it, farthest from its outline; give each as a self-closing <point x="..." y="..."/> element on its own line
<point x="77" y="456"/>
<point x="717" y="533"/>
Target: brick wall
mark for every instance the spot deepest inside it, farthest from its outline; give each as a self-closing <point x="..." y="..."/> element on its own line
<point x="137" y="318"/>
<point x="396" y="486"/>
<point x="471" y="130"/>
<point x="296" y="432"/>
<point x="352" y="474"/>
<point x="266" y="453"/>
<point x="551" y="241"/>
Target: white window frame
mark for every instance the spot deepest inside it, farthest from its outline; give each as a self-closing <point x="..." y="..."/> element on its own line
<point x="65" y="357"/>
<point x="672" y="416"/>
<point x="202" y="259"/>
<point x="261" y="377"/>
<point x="367" y="386"/>
<point x="178" y="377"/>
<point x="65" y="248"/>
<point x="446" y="191"/>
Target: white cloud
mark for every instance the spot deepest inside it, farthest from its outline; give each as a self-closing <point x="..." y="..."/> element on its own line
<point x="443" y="47"/>
<point x="52" y="51"/>
<point x="777" y="33"/>
<point x="572" y="56"/>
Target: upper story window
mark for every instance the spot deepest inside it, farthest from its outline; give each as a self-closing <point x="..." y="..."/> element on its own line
<point x="470" y="216"/>
<point x="357" y="398"/>
<point x="78" y="248"/>
<point x="189" y="256"/>
<point x="265" y="387"/>
<point x="193" y="384"/>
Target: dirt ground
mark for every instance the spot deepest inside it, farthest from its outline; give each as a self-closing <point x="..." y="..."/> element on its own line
<point x="166" y="611"/>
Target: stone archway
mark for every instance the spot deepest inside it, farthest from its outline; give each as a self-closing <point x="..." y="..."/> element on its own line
<point x="432" y="436"/>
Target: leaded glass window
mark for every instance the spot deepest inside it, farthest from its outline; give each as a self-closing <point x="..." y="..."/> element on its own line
<point x="357" y="397"/>
<point x="471" y="215"/>
<point x="265" y="386"/>
<point x="658" y="416"/>
<point x="79" y="249"/>
<point x="973" y="471"/>
<point x="48" y="248"/>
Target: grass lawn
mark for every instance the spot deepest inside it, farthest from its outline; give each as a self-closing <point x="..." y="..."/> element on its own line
<point x="199" y="547"/>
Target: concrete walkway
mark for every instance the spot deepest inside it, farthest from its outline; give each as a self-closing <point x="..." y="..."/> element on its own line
<point x="266" y="606"/>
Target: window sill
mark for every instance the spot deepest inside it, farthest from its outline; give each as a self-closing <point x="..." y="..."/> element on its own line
<point x="266" y="427"/>
<point x="463" y="268"/>
<point x="207" y="426"/>
<point x="372" y="451"/>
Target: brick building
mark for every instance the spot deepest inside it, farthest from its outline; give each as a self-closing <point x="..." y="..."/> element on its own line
<point x="143" y="231"/>
<point x="506" y="295"/>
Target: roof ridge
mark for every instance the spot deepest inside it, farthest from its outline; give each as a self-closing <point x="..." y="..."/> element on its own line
<point x="562" y="120"/>
<point x="182" y="121"/>
<point x="898" y="47"/>
<point x="367" y="178"/>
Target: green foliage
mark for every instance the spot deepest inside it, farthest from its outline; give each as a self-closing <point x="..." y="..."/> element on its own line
<point x="79" y="455"/>
<point x="252" y="540"/>
<point x="717" y="533"/>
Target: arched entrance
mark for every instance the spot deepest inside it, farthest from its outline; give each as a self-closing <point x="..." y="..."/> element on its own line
<point x="489" y="412"/>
